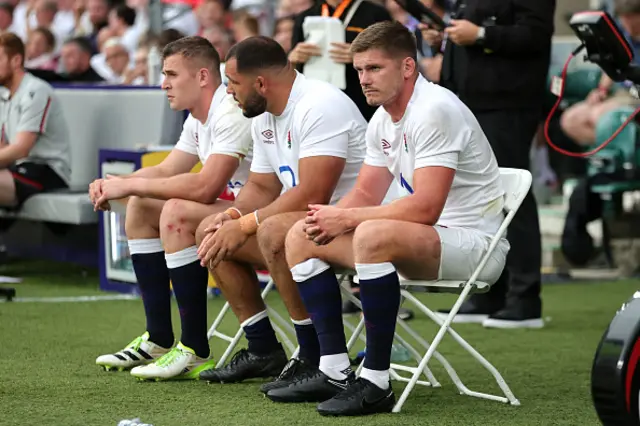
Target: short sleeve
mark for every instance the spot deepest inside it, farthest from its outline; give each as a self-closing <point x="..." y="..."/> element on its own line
<point x="36" y="107"/>
<point x="232" y="134"/>
<point x="323" y="128"/>
<point x="187" y="141"/>
<point x="375" y="156"/>
<point x="437" y="144"/>
<point x="260" y="162"/>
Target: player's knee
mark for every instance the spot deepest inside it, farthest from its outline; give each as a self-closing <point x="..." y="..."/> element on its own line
<point x="137" y="215"/>
<point x="271" y="237"/>
<point x="371" y="238"/>
<point x="173" y="219"/>
<point x="296" y="244"/>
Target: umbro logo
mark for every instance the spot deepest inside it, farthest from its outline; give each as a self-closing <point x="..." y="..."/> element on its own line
<point x="385" y="146"/>
<point x="268" y="134"/>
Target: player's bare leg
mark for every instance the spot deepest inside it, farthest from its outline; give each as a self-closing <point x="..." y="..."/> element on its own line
<point x="264" y="357"/>
<point x="178" y="223"/>
<point x="372" y="249"/>
<point x="143" y="234"/>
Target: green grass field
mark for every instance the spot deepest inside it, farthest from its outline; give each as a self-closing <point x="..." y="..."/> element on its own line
<point x="48" y="375"/>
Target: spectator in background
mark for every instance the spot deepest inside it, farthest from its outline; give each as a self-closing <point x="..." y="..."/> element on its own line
<point x="211" y="13"/>
<point x="121" y="21"/>
<point x="430" y="58"/>
<point x="45" y="13"/>
<point x="6" y="18"/>
<point x="167" y="36"/>
<point x="292" y="7"/>
<point x="64" y="22"/>
<point x="138" y="75"/>
<point x="366" y="14"/>
<point x="117" y="58"/>
<point x="92" y="21"/>
<point x="75" y="57"/>
<point x="34" y="140"/>
<point x="244" y="26"/>
<point x="39" y="50"/>
<point x="76" y="61"/>
<point x="579" y="121"/>
<point x="283" y="32"/>
<point x="219" y="38"/>
<point x="496" y="59"/>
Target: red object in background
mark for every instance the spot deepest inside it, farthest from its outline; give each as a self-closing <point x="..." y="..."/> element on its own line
<point x="193" y="3"/>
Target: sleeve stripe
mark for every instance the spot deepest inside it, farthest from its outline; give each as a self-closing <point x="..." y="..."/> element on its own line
<point x="44" y="114"/>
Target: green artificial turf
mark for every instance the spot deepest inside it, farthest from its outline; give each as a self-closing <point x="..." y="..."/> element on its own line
<point x="48" y="375"/>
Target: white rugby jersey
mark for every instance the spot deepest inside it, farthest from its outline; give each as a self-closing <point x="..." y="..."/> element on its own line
<point x="226" y="131"/>
<point x="319" y="120"/>
<point x="437" y="129"/>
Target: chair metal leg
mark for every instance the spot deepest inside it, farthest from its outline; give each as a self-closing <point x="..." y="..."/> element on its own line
<point x="278" y="323"/>
<point x="445" y="326"/>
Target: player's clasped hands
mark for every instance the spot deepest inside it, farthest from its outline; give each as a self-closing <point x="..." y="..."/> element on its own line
<point x="95" y="193"/>
<point x="223" y="237"/>
<point x="324" y="223"/>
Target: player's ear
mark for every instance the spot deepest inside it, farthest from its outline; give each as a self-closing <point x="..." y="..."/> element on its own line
<point x="203" y="76"/>
<point x="408" y="67"/>
<point x="260" y="84"/>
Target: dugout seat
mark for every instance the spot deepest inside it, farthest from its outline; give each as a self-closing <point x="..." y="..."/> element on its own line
<point x="101" y="117"/>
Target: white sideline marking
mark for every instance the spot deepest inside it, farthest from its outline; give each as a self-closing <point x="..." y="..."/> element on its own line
<point x="74" y="299"/>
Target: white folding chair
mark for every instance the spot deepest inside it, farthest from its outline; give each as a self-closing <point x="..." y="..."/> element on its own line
<point x="516" y="184"/>
<point x="277" y="321"/>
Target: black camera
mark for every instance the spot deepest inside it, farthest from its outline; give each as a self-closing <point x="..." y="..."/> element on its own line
<point x="606" y="44"/>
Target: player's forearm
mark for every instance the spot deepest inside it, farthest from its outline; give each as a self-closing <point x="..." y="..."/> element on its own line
<point x="357" y="198"/>
<point x="186" y="186"/>
<point x="253" y="197"/>
<point x="9" y="154"/>
<point x="294" y="200"/>
<point x="152" y="172"/>
<point x="408" y="209"/>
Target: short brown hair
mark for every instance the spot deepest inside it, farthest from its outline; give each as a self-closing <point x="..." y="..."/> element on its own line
<point x="627" y="7"/>
<point x="12" y="45"/>
<point x="196" y="49"/>
<point x="389" y="36"/>
<point x="48" y="36"/>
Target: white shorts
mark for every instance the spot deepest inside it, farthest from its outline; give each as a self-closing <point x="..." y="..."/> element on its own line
<point x="462" y="250"/>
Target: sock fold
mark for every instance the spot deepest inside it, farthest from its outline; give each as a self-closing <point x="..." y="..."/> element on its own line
<point x="380" y="297"/>
<point x="190" y="281"/>
<point x="152" y="276"/>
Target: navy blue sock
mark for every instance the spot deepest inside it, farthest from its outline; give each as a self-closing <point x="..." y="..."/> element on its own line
<point x="189" y="281"/>
<point x="380" y="296"/>
<point x="153" y="280"/>
<point x="260" y="334"/>
<point x="321" y="296"/>
<point x="308" y="341"/>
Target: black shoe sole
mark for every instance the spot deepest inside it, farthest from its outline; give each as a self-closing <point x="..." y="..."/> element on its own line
<point x="297" y="400"/>
<point x="382" y="409"/>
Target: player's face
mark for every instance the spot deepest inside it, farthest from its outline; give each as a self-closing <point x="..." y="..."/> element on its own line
<point x="243" y="89"/>
<point x="381" y="76"/>
<point x="6" y="68"/>
<point x="181" y="83"/>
